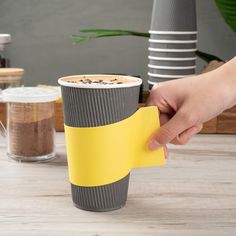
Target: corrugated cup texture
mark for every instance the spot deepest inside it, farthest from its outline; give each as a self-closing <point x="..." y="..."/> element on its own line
<point x="90" y="107"/>
<point x="171" y="72"/>
<point x="172" y="54"/>
<point x="155" y="80"/>
<point x="103" y="198"/>
<point x="84" y="107"/>
<point x="160" y="79"/>
<point x="173" y="36"/>
<point x="172" y="63"/>
<point x="174" y="15"/>
<point x="173" y="45"/>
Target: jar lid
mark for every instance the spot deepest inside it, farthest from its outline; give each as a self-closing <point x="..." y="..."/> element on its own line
<point x="29" y="95"/>
<point x="5" y="38"/>
<point x="11" y="72"/>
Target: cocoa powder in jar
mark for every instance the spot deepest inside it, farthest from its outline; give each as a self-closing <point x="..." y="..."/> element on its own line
<point x="30" y="129"/>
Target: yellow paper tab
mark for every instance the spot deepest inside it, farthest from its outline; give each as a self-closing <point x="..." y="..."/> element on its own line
<point x="105" y="154"/>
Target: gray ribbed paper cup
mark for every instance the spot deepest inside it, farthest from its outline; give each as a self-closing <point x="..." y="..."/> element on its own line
<point x="171" y="71"/>
<point x="161" y="44"/>
<point x="153" y="81"/>
<point x="158" y="79"/>
<point x="96" y="100"/>
<point x="161" y="77"/>
<point x="179" y="68"/>
<point x="174" y="53"/>
<point x="174" y="15"/>
<point x="155" y="35"/>
<point x="164" y="61"/>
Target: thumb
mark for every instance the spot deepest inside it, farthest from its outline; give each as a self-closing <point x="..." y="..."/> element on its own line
<point x="175" y="126"/>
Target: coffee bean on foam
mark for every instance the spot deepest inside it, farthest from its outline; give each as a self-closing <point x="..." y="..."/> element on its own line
<point x="99" y="80"/>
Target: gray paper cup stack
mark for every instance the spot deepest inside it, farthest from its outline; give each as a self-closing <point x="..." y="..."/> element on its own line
<point x="173" y="35"/>
<point x="189" y="45"/>
<point x="173" y="40"/>
<point x="172" y="62"/>
<point x="174" y="15"/>
<point x="172" y="53"/>
<point x="90" y="104"/>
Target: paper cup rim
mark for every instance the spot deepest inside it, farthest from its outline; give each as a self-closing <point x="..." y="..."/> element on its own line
<point x="172" y="67"/>
<point x="136" y="82"/>
<point x="173" y="41"/>
<point x="172" y="58"/>
<point x="168" y="76"/>
<point x="171" y="50"/>
<point x="172" y="32"/>
<point x="153" y="83"/>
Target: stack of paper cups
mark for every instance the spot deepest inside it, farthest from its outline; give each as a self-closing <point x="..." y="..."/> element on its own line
<point x="173" y="39"/>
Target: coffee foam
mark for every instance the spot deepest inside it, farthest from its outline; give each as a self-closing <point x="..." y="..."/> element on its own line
<point x="96" y="81"/>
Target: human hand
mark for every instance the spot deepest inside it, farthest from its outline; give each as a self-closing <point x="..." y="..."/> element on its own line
<point x="186" y="103"/>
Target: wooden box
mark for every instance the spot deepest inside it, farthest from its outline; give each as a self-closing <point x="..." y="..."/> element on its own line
<point x="225" y="123"/>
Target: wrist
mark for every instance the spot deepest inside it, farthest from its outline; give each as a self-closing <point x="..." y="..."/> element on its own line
<point x="225" y="78"/>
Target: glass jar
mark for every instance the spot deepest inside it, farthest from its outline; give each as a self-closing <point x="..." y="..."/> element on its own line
<point x="30" y="123"/>
<point x="10" y="77"/>
<point x="5" y="40"/>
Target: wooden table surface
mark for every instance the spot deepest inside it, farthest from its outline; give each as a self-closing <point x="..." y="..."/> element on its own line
<point x="194" y="194"/>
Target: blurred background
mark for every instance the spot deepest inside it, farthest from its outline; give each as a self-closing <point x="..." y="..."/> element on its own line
<point x="41" y="36"/>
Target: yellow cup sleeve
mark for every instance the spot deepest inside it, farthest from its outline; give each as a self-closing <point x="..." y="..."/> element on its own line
<point x="105" y="154"/>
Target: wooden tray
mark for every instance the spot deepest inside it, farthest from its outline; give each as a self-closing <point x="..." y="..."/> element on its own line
<point x="225" y="123"/>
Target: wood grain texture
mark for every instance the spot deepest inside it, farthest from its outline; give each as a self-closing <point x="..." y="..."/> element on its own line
<point x="194" y="194"/>
<point x="225" y="123"/>
<point x="210" y="127"/>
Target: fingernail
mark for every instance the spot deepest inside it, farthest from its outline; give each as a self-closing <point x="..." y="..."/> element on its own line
<point x="153" y="144"/>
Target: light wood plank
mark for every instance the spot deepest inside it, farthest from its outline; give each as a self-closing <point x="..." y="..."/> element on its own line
<point x="209" y="127"/>
<point x="194" y="194"/>
<point x="226" y="122"/>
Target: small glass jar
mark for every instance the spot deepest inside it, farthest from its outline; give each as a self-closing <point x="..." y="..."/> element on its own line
<point x="30" y="123"/>
<point x="10" y="77"/>
<point x="5" y="40"/>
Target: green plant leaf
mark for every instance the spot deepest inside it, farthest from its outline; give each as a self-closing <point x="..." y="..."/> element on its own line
<point x="98" y="33"/>
<point x="207" y="56"/>
<point x="227" y="9"/>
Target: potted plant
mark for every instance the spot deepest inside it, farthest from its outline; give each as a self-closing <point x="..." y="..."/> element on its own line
<point x="227" y="9"/>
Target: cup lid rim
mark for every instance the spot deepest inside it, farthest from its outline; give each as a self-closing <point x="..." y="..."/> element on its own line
<point x="29" y="95"/>
<point x="153" y="83"/>
<point x="172" y="67"/>
<point x="171" y="50"/>
<point x="168" y="76"/>
<point x="172" y="32"/>
<point x="172" y="58"/>
<point x="136" y="82"/>
<point x="169" y="41"/>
